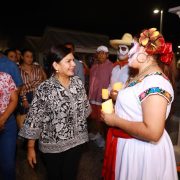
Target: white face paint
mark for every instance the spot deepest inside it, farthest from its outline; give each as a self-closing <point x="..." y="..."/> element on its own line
<point x="133" y="53"/>
<point x="136" y="55"/>
<point x="122" y="52"/>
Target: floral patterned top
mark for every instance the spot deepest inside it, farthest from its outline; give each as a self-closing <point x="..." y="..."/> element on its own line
<point x="57" y="116"/>
<point x="7" y="86"/>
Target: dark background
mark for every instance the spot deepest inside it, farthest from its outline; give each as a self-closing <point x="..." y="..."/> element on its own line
<point x="109" y="17"/>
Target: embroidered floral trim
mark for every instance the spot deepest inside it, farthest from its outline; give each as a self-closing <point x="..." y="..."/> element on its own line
<point x="133" y="83"/>
<point x="155" y="90"/>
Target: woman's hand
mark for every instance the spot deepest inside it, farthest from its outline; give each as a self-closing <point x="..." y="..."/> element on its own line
<point x="113" y="94"/>
<point x="31" y="156"/>
<point x="109" y="119"/>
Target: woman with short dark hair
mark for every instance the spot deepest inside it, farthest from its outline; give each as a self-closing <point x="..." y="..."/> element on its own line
<point x="57" y="117"/>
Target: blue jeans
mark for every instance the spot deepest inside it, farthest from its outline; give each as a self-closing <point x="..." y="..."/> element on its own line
<point x="8" y="150"/>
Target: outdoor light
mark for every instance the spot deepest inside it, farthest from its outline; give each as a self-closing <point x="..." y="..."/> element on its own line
<point x="156" y="11"/>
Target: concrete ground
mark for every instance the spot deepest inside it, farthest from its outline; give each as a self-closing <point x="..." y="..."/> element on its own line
<point x="89" y="168"/>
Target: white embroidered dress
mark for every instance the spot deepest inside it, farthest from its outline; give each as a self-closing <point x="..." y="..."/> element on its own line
<point x="137" y="159"/>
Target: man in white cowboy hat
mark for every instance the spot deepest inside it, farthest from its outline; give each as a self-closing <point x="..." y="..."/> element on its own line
<point x="120" y="72"/>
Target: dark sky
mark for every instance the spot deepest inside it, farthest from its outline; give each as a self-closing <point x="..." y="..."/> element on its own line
<point x="109" y="17"/>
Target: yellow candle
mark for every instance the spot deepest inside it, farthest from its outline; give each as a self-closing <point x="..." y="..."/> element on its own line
<point x="105" y="94"/>
<point x="117" y="86"/>
<point x="107" y="106"/>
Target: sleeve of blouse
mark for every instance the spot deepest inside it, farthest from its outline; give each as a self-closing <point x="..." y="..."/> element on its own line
<point x="11" y="83"/>
<point x="86" y="103"/>
<point x="156" y="85"/>
<point x="32" y="126"/>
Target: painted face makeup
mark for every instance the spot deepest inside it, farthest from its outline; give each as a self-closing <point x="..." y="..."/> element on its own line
<point x="133" y="52"/>
<point x="122" y="51"/>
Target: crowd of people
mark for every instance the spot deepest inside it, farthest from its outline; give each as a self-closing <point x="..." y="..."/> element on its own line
<point x="61" y="115"/>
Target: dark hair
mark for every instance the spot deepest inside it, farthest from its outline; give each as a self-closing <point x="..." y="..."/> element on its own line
<point x="71" y="44"/>
<point x="7" y="51"/>
<point x="23" y="51"/>
<point x="169" y="70"/>
<point x="56" y="54"/>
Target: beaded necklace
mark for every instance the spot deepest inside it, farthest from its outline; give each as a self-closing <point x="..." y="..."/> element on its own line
<point x="143" y="71"/>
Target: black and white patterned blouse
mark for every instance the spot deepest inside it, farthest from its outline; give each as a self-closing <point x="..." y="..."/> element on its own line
<point x="57" y="116"/>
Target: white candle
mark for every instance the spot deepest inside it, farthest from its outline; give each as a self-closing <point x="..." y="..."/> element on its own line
<point x="118" y="86"/>
<point x="105" y="94"/>
<point x="107" y="106"/>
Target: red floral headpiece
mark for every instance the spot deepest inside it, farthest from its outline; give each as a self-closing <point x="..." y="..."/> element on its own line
<point x="154" y="43"/>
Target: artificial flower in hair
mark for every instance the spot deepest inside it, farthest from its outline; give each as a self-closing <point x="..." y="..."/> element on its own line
<point x="154" y="43"/>
<point x="152" y="40"/>
<point x="167" y="54"/>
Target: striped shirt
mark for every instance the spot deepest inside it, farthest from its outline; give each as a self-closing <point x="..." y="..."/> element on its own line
<point x="31" y="80"/>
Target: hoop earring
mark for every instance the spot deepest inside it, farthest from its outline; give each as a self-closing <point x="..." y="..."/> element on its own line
<point x="140" y="59"/>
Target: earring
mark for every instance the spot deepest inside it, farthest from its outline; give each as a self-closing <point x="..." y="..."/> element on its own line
<point x="57" y="71"/>
<point x="140" y="57"/>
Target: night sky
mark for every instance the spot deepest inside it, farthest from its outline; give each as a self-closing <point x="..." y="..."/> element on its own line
<point x="112" y="18"/>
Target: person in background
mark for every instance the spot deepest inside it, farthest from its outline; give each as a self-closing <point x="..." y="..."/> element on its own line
<point x="57" y="117"/>
<point x="99" y="78"/>
<point x="18" y="55"/>
<point x="138" y="146"/>
<point x="121" y="71"/>
<point x="8" y="129"/>
<point x="79" y="70"/>
<point x="32" y="76"/>
<point x="11" y="54"/>
<point x="12" y="69"/>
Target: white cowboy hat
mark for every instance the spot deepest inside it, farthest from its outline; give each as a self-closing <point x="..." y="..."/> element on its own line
<point x="126" y="40"/>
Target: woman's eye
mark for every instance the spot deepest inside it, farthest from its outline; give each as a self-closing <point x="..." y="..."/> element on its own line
<point x="131" y="55"/>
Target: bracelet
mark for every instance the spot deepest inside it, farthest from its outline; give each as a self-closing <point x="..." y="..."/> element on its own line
<point x="24" y="98"/>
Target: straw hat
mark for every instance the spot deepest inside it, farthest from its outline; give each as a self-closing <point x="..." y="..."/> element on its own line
<point x="126" y="40"/>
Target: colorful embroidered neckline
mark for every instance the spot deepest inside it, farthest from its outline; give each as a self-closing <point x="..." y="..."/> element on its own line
<point x="133" y="83"/>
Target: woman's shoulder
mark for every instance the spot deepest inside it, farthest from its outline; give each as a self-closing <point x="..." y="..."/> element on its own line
<point x="77" y="80"/>
<point x="157" y="79"/>
<point x="156" y="83"/>
<point x="4" y="75"/>
<point x="47" y="83"/>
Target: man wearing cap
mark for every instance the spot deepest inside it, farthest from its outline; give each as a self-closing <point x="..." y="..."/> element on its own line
<point x="100" y="74"/>
<point x="120" y="72"/>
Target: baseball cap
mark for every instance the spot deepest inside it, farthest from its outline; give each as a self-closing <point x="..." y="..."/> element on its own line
<point x="102" y="48"/>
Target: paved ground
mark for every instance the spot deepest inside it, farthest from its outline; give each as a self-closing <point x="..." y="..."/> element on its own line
<point x="89" y="168"/>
